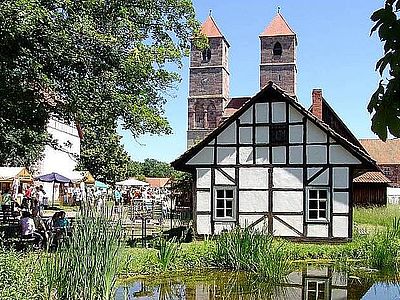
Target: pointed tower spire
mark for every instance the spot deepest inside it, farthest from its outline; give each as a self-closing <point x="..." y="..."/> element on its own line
<point x="278" y="55"/>
<point x="278" y="26"/>
<point x="210" y="28"/>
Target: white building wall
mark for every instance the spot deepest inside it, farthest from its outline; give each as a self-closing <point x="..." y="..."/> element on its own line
<point x="62" y="161"/>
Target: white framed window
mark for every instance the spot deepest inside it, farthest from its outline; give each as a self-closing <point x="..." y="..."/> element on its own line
<point x="318" y="204"/>
<point x="225" y="203"/>
<point x="316" y="289"/>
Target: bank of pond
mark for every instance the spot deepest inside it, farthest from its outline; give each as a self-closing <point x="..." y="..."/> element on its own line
<point x="97" y="263"/>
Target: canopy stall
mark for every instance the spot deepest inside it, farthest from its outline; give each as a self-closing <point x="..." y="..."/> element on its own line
<point x="101" y="185"/>
<point x="132" y="182"/>
<point x="80" y="176"/>
<point x="12" y="178"/>
<point x="54" y="178"/>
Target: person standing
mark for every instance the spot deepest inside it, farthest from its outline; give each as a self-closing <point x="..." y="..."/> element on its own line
<point x="40" y="199"/>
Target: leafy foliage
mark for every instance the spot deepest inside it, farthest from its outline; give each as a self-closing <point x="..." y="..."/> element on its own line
<point x="385" y="102"/>
<point x="93" y="62"/>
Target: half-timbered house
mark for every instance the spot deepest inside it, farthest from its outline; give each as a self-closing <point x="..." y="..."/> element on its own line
<point x="273" y="165"/>
<point x="266" y="161"/>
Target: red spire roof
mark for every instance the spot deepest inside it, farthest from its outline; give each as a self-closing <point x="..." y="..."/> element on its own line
<point x="210" y="28"/>
<point x="278" y="26"/>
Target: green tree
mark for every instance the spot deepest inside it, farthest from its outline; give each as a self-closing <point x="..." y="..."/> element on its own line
<point x="385" y="102"/>
<point x="96" y="62"/>
<point x="155" y="168"/>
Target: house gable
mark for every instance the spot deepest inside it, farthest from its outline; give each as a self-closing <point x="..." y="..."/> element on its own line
<point x="269" y="165"/>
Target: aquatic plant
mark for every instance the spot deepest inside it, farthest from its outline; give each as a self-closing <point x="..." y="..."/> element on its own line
<point x="167" y="252"/>
<point x="85" y="267"/>
<point x="382" y="249"/>
<point x="247" y="249"/>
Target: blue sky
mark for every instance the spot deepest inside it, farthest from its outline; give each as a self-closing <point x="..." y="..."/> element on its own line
<point x="335" y="52"/>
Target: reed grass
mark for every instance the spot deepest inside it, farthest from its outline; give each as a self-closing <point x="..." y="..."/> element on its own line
<point x="383" y="249"/>
<point x="86" y="266"/>
<point x="167" y="252"/>
<point x="246" y="249"/>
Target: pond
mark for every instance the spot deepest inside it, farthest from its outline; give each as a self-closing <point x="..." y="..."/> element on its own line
<point x="308" y="283"/>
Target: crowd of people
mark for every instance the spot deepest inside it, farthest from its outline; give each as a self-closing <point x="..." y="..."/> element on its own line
<point x="29" y="213"/>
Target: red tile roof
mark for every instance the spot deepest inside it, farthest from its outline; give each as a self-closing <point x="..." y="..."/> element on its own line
<point x="372" y="177"/>
<point x="383" y="152"/>
<point x="210" y="28"/>
<point x="278" y="26"/>
<point x="157" y="182"/>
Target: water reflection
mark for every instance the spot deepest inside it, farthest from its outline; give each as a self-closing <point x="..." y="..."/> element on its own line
<point x="309" y="283"/>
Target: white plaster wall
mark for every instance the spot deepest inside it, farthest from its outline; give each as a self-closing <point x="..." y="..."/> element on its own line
<point x="312" y="171"/>
<point x="314" y="271"/>
<point x="247" y="116"/>
<point x="203" y="225"/>
<point x="253" y="178"/>
<point x="339" y="155"/>
<point x="203" y="178"/>
<point x="222" y="179"/>
<point x="246" y="155"/>
<point x="253" y="201"/>
<point x="322" y="179"/>
<point x="279" y="155"/>
<point x="315" y="134"/>
<point x="316" y="154"/>
<point x="211" y="143"/>
<point x="262" y="155"/>
<point x="221" y="226"/>
<point x="262" y="134"/>
<point x="245" y="135"/>
<point x="226" y="155"/>
<point x="339" y="294"/>
<point x="295" y="133"/>
<point x="203" y="201"/>
<point x="287" y="201"/>
<point x="341" y="177"/>
<point x="294" y="115"/>
<point x="282" y="230"/>
<point x="317" y="230"/>
<point x="247" y="220"/>
<point x="205" y="156"/>
<point x="230" y="171"/>
<point x="340" y="226"/>
<point x="340" y="202"/>
<point x="59" y="161"/>
<point x="339" y="279"/>
<point x="288" y="177"/>
<point x="295" y="278"/>
<point x="262" y="112"/>
<point x="296" y="154"/>
<point x="228" y="135"/>
<point x="278" y="112"/>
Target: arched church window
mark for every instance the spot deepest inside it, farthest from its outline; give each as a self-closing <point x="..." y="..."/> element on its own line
<point x="211" y="116"/>
<point x="206" y="55"/>
<point x="277" y="49"/>
<point x="199" y="116"/>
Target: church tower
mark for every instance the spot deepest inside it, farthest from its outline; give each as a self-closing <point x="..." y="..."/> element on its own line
<point x="278" y="55"/>
<point x="208" y="83"/>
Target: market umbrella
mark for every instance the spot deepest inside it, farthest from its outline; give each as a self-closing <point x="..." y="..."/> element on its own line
<point x="53" y="177"/>
<point x="100" y="185"/>
<point x="132" y="182"/>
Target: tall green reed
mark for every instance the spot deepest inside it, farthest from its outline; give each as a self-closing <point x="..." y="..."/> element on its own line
<point x="383" y="248"/>
<point x="246" y="249"/>
<point x="86" y="265"/>
<point x="167" y="252"/>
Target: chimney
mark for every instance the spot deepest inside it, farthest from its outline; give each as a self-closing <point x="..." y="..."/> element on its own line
<point x="317" y="103"/>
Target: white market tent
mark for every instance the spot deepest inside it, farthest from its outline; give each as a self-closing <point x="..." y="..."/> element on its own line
<point x="132" y="182"/>
<point x="11" y="173"/>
